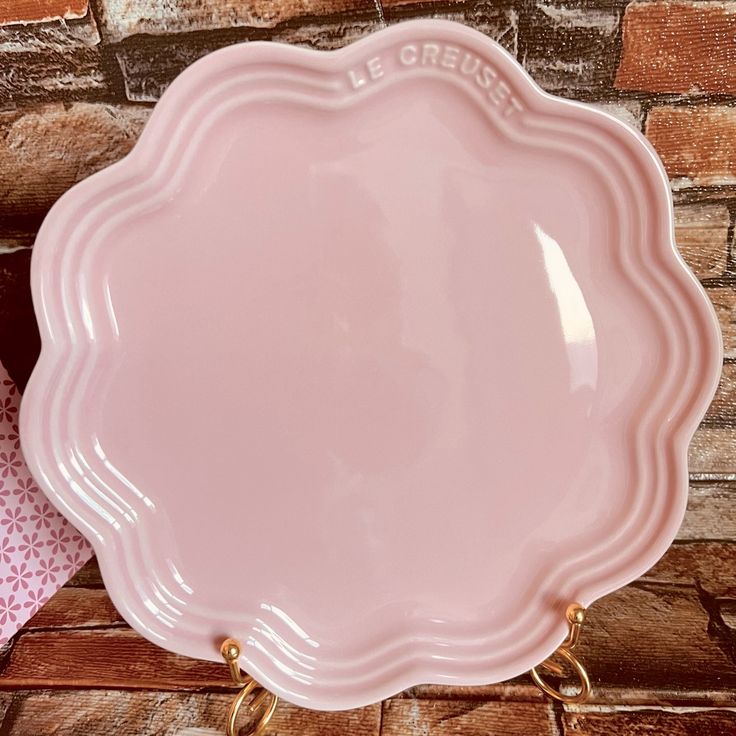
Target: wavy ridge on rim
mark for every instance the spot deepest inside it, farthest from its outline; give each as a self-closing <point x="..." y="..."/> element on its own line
<point x="670" y="420"/>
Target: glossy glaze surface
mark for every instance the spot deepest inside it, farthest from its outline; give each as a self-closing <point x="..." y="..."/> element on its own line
<point x="453" y="361"/>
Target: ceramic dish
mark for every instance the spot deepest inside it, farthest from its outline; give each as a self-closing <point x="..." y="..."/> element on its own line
<point x="451" y="361"/>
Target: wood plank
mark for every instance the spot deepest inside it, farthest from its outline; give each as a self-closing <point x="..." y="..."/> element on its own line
<point x="89" y="576"/>
<point x="102" y="713"/>
<point x="114" y="658"/>
<point x="652" y="639"/>
<point x="469" y="718"/>
<point x="712" y="454"/>
<point x="710" y="566"/>
<point x="722" y="410"/>
<point x="75" y="607"/>
<point x="695" y="143"/>
<point x="644" y="644"/>
<point x="632" y="695"/>
<point x="5" y="700"/>
<point x="711" y="513"/>
<point x="649" y="722"/>
<point x="701" y="232"/>
<point x="520" y="689"/>
<point x="678" y="46"/>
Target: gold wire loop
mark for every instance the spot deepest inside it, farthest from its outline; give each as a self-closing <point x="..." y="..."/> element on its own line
<point x="230" y="651"/>
<point x="260" y="703"/>
<point x="263" y="702"/>
<point x="579" y="697"/>
<point x="575" y="617"/>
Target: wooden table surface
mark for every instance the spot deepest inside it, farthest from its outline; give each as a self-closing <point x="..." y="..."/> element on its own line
<point x="77" y="82"/>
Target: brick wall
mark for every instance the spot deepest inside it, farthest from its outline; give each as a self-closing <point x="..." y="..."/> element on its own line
<point x="78" y="78"/>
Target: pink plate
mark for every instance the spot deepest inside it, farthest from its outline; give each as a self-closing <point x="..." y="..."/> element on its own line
<point x="452" y="359"/>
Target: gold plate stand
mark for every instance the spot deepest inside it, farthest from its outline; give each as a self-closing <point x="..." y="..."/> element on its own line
<point x="261" y="704"/>
<point x="575" y="617"/>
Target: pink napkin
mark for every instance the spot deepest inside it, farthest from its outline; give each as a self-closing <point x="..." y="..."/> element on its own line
<point x="39" y="549"/>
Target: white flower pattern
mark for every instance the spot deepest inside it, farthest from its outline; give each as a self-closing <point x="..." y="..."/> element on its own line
<point x="34" y="538"/>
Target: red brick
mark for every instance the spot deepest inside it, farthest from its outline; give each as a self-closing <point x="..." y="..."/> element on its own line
<point x="679" y="46"/>
<point x="696" y="143"/>
<point x="31" y="11"/>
